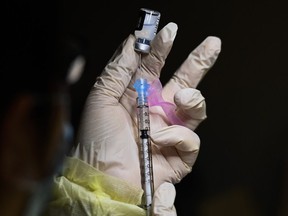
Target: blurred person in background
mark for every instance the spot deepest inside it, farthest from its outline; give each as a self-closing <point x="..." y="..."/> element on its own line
<point x="35" y="131"/>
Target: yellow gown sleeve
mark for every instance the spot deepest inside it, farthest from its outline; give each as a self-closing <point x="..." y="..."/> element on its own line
<point x="83" y="190"/>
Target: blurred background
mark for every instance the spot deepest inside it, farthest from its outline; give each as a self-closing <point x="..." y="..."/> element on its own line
<point x="242" y="168"/>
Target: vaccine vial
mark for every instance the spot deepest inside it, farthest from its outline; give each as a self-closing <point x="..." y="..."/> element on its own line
<point x="146" y="29"/>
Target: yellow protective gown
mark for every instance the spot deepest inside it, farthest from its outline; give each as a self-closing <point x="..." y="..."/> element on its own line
<point x="83" y="190"/>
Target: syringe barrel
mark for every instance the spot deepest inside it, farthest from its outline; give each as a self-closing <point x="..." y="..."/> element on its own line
<point x="146" y="171"/>
<point x="143" y="118"/>
<point x="142" y="86"/>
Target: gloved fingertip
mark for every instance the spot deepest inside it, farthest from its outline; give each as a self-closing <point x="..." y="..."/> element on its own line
<point x="168" y="32"/>
<point x="213" y="45"/>
<point x="188" y="98"/>
<point x="172" y="29"/>
<point x="191" y="106"/>
<point x="166" y="191"/>
<point x="126" y="47"/>
<point x="164" y="198"/>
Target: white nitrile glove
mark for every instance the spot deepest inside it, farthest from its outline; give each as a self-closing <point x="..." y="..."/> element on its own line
<point x="108" y="132"/>
<point x="163" y="200"/>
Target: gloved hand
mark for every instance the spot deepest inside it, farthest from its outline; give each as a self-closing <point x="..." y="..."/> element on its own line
<point x="108" y="136"/>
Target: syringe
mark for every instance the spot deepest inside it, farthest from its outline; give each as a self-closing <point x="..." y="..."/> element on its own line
<point x="145" y="31"/>
<point x="141" y="85"/>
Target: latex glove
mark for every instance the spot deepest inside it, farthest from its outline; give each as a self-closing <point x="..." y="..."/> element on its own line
<point x="108" y="132"/>
<point x="163" y="200"/>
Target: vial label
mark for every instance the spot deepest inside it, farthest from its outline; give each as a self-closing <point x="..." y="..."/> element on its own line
<point x="146" y="29"/>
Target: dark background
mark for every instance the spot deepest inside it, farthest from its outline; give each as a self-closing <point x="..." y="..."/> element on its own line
<point x="242" y="168"/>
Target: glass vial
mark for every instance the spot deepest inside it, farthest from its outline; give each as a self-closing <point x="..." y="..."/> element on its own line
<point x="146" y="29"/>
